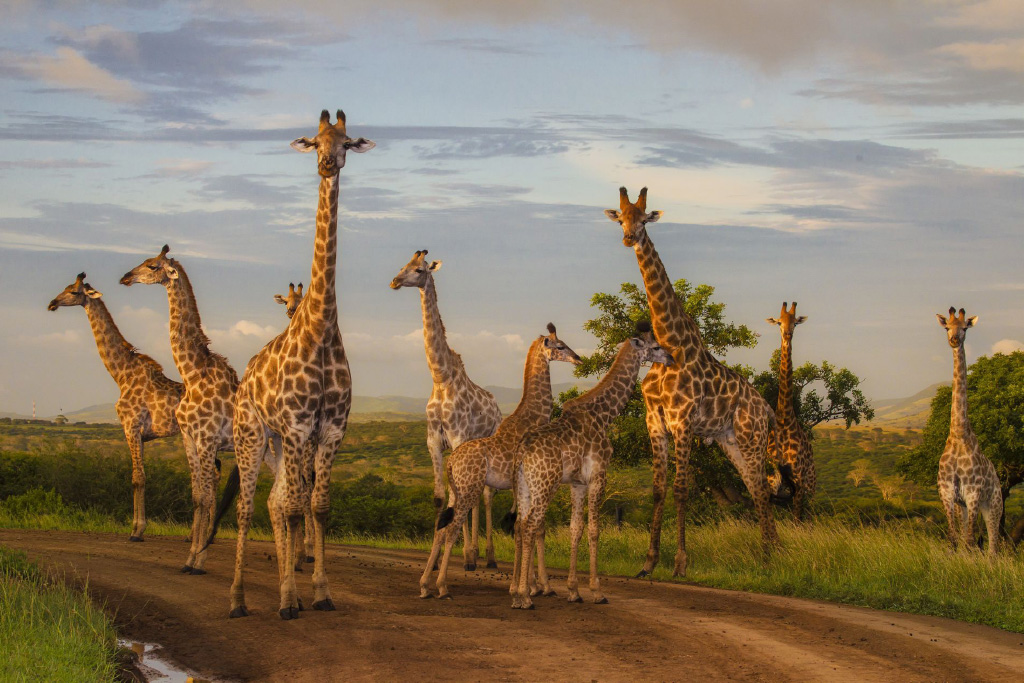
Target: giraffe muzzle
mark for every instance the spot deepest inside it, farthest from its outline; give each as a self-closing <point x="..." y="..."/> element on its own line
<point x="127" y="279"/>
<point x="53" y="306"/>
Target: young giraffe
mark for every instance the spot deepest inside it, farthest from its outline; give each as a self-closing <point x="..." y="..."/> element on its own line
<point x="488" y="461"/>
<point x="796" y="454"/>
<point x="698" y="396"/>
<point x="966" y="477"/>
<point x="148" y="398"/>
<point x="298" y="390"/>
<point x="205" y="412"/>
<point x="458" y="410"/>
<point x="575" y="450"/>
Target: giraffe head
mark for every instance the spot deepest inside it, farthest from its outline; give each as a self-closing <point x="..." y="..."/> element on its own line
<point x="331" y="144"/>
<point x="158" y="270"/>
<point x="649" y="350"/>
<point x="556" y="349"/>
<point x="633" y="217"/>
<point x="417" y="272"/>
<point x="787" y="320"/>
<point x="75" y="294"/>
<point x="956" y="326"/>
<point x="290" y="300"/>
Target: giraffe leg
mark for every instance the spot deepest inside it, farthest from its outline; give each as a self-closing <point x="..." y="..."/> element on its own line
<point x="278" y="523"/>
<point x="492" y="563"/>
<point x="207" y="458"/>
<point x="138" y="487"/>
<point x="435" y="444"/>
<point x="530" y="530"/>
<point x="195" y="473"/>
<point x="993" y="513"/>
<point x="321" y="504"/>
<point x="746" y="447"/>
<point x="659" y="446"/>
<point x="250" y="443"/>
<point x="799" y="494"/>
<point x="462" y="507"/>
<point x="542" y="570"/>
<point x="969" y="539"/>
<point x="952" y="514"/>
<point x="683" y="443"/>
<point x="579" y="496"/>
<point x="472" y="544"/>
<point x="595" y="491"/>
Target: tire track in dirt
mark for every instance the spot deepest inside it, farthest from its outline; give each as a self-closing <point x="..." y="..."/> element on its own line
<point x="659" y="631"/>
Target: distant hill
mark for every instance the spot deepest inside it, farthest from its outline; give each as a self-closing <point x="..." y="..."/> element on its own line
<point x="906" y="413"/>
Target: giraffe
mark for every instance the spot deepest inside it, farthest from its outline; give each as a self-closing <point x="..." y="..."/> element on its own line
<point x="291" y="300"/>
<point x="488" y="461"/>
<point x="148" y="399"/>
<point x="575" y="450"/>
<point x="697" y="396"/>
<point x="795" y="461"/>
<point x="298" y="390"/>
<point x="966" y="477"/>
<point x="205" y="412"/>
<point x="458" y="410"/>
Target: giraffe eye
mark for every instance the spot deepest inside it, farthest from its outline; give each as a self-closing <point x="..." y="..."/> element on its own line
<point x="152" y="267"/>
<point x="419" y="270"/>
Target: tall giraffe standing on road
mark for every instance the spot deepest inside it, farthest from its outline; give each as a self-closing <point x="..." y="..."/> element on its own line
<point x="697" y="396"/>
<point x="575" y="450"/>
<point x="206" y="410"/>
<point x="488" y="461"/>
<point x="298" y="390"/>
<point x="148" y="398"/>
<point x="795" y="448"/>
<point x="458" y="410"/>
<point x="966" y="477"/>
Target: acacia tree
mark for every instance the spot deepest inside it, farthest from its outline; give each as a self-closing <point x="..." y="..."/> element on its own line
<point x="711" y="472"/>
<point x="995" y="405"/>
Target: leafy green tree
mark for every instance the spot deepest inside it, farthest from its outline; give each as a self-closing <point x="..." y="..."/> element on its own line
<point x="995" y="405"/>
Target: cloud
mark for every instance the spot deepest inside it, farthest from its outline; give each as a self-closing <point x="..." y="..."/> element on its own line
<point x="964" y="130"/>
<point x="50" y="339"/>
<point x="52" y="164"/>
<point x="68" y="69"/>
<point x="1007" y="346"/>
<point x="999" y="56"/>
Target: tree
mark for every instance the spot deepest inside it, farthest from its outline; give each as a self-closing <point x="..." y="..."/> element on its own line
<point x="861" y="471"/>
<point x="711" y="473"/>
<point x="995" y="406"/>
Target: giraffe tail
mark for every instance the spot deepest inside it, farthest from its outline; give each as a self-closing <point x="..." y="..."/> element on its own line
<point x="230" y="492"/>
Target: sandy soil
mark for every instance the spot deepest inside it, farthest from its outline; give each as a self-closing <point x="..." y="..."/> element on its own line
<point x="382" y="630"/>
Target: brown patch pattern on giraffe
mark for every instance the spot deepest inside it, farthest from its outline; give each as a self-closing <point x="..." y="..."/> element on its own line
<point x="487" y="463"/>
<point x="206" y="411"/>
<point x="697" y="396"/>
<point x="148" y="401"/>
<point x="968" y="483"/>
<point x="574" y="450"/>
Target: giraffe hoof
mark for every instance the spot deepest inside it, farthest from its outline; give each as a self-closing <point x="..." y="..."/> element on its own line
<point x="446" y="596"/>
<point x="239" y="611"/>
<point x="310" y="559"/>
<point x="135" y="539"/>
<point x="289" y="613"/>
<point x="528" y="606"/>
<point x="550" y="593"/>
<point x="601" y="601"/>
<point x="325" y="605"/>
<point x="425" y="595"/>
<point x="492" y="565"/>
<point x="186" y="569"/>
<point x="575" y="598"/>
<point x="197" y="572"/>
<point x="301" y="608"/>
<point x="471" y="567"/>
<point x="643" y="573"/>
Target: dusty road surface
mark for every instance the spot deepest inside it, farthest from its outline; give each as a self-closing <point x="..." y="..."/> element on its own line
<point x="382" y="630"/>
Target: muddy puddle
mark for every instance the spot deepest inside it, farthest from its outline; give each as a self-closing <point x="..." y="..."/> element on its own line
<point x="152" y="663"/>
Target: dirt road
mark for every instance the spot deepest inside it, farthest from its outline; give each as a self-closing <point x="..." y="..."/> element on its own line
<point x="652" y="631"/>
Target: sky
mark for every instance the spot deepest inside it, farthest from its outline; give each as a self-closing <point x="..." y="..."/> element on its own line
<point x="862" y="157"/>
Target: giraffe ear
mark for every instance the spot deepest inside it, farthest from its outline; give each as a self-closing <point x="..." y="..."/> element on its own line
<point x="96" y="294"/>
<point x="773" y="321"/>
<point x="303" y="145"/>
<point x="172" y="272"/>
<point x="548" y="343"/>
<point x="636" y="343"/>
<point x="612" y="214"/>
<point x="972" y="321"/>
<point x="360" y="145"/>
<point x="280" y="299"/>
<point x="942" y="319"/>
<point x="799" y="319"/>
<point x="653" y="216"/>
<point x="435" y="266"/>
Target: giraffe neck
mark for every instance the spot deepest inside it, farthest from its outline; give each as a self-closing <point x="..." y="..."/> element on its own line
<point x="672" y="326"/>
<point x="535" y="405"/>
<point x="189" y="344"/>
<point x="321" y="299"/>
<point x="609" y="397"/>
<point x="959" y="425"/>
<point x="785" y="412"/>
<point x="439" y="355"/>
<point x="116" y="352"/>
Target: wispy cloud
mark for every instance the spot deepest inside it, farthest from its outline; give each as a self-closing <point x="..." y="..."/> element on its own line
<point x="69" y="69"/>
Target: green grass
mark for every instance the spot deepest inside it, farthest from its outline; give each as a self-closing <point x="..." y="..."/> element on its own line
<point x="49" y="631"/>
